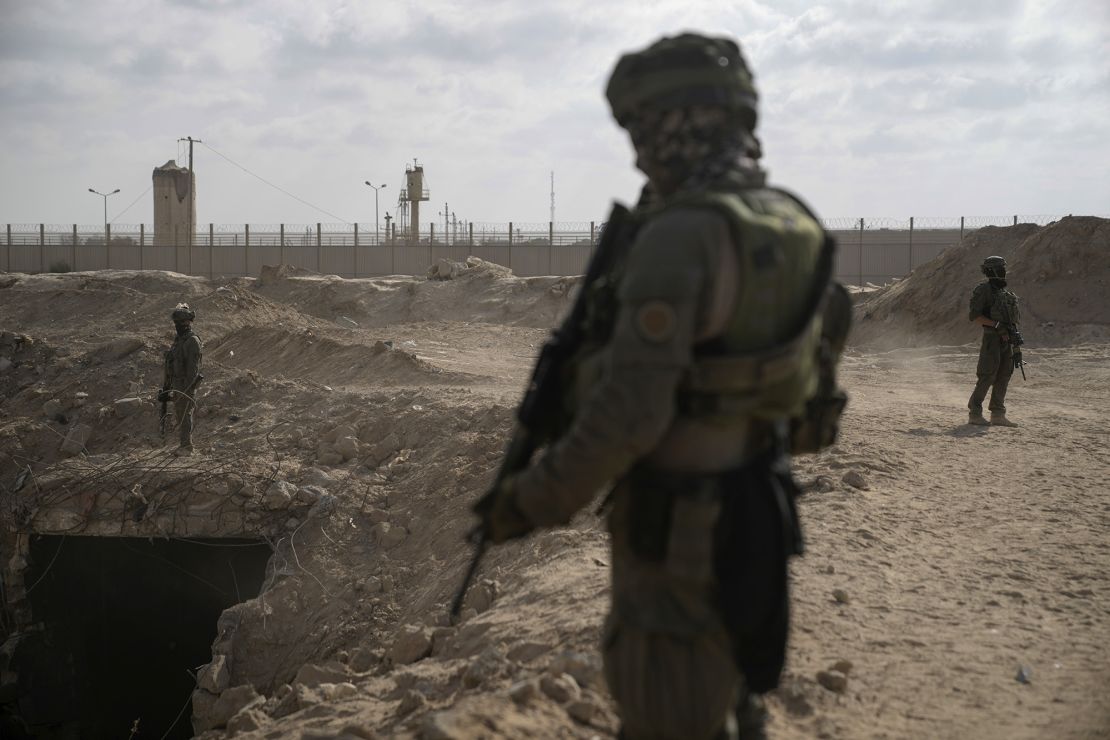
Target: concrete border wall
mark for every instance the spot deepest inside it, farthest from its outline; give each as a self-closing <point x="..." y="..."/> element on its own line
<point x="865" y="255"/>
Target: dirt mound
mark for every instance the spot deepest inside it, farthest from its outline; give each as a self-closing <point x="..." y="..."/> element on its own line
<point x="276" y="273"/>
<point x="482" y="292"/>
<point x="1061" y="273"/>
<point x="311" y="356"/>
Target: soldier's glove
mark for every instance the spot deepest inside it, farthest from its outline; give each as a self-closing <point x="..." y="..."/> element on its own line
<point x="164" y="395"/>
<point x="501" y="519"/>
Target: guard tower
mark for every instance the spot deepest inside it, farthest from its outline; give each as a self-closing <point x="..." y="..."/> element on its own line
<point x="413" y="193"/>
<point x="175" y="215"/>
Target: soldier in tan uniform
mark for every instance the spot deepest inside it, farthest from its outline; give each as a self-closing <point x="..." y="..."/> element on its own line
<point x="182" y="375"/>
<point x="995" y="309"/>
<point x="700" y="347"/>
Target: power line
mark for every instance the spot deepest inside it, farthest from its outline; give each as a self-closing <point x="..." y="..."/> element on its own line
<point x="125" y="210"/>
<point x="275" y="187"/>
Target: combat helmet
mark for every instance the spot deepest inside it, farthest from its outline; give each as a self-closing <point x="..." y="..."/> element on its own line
<point x="994" y="267"/>
<point x="688" y="69"/>
<point x="182" y="312"/>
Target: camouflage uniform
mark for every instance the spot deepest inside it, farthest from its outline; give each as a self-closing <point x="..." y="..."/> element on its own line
<point x="996" y="352"/>
<point x="182" y="374"/>
<point x="683" y="388"/>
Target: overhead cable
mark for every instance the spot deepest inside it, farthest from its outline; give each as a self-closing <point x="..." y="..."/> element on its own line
<point x="275" y="187"/>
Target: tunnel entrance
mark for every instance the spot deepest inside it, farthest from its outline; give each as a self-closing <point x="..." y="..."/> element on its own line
<point x="125" y="621"/>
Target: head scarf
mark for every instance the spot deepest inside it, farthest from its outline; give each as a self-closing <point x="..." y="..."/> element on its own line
<point x="695" y="145"/>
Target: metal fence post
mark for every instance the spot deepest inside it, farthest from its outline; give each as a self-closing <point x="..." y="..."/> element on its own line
<point x="470" y="233"/>
<point x="591" y="234"/>
<point x="510" y="234"/>
<point x="911" y="246"/>
<point x="1015" y="220"/>
<point x="142" y="243"/>
<point x="961" y="228"/>
<point x="861" y="253"/>
<point x="8" y="254"/>
<point x="319" y="241"/>
<point x="211" y="253"/>
<point x="550" y="245"/>
<point x="281" y="248"/>
<point x="354" y="258"/>
<point x="42" y="248"/>
<point x="73" y="251"/>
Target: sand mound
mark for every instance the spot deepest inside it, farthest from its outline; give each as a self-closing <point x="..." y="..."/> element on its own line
<point x="1059" y="271"/>
<point x="482" y="292"/>
<point x="307" y="355"/>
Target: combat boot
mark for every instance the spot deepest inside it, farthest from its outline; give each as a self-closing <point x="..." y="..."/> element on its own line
<point x="977" y="418"/>
<point x="183" y="451"/>
<point x="1000" y="420"/>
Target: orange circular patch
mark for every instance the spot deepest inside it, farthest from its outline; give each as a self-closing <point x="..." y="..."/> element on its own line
<point x="656" y="321"/>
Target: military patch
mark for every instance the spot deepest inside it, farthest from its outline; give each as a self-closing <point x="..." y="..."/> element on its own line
<point x="656" y="321"/>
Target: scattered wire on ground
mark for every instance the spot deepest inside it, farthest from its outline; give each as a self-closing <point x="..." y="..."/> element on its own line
<point x="48" y="567"/>
<point x="188" y="700"/>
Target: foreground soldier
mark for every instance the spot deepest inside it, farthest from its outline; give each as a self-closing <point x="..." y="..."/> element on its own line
<point x="182" y="375"/>
<point x="699" y="347"/>
<point x="996" y="310"/>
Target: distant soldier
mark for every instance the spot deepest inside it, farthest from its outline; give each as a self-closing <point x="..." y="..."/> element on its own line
<point x="996" y="310"/>
<point x="182" y="375"/>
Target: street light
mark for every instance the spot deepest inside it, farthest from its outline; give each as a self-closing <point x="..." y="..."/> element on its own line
<point x="105" y="197"/>
<point x="377" y="237"/>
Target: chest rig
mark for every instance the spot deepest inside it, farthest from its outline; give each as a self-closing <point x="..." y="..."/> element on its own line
<point x="777" y="356"/>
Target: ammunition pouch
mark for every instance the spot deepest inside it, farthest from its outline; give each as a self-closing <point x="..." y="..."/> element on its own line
<point x="819" y="424"/>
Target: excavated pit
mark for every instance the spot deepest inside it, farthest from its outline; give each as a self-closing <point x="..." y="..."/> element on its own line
<point x="128" y="621"/>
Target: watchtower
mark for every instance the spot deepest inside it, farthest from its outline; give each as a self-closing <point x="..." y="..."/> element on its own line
<point x="413" y="193"/>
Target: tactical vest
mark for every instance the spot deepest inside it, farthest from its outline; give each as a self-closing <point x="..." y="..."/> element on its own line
<point x="175" y="359"/>
<point x="764" y="365"/>
<point x="774" y="360"/>
<point x="1002" y="305"/>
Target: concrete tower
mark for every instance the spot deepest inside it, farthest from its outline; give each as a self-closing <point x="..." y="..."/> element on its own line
<point x="414" y="193"/>
<point x="175" y="212"/>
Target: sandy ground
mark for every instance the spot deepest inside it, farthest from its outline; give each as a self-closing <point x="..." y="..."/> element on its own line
<point x="968" y="555"/>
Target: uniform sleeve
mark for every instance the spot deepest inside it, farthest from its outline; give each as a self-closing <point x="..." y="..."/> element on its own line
<point x="192" y="359"/>
<point x="631" y="408"/>
<point x="980" y="302"/>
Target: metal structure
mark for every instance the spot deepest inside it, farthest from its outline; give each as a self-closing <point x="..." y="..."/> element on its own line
<point x="377" y="233"/>
<point x="105" y="197"/>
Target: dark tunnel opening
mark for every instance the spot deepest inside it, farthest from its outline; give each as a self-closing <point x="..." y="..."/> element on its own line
<point x="125" y="623"/>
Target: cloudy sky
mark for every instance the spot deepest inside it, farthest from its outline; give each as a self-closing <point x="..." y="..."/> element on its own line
<point x="878" y="108"/>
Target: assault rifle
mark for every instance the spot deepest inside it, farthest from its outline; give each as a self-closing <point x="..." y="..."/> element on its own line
<point x="1016" y="340"/>
<point x="164" y="397"/>
<point x="540" y="412"/>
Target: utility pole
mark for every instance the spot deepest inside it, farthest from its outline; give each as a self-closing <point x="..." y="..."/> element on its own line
<point x="105" y="197"/>
<point x="192" y="216"/>
<point x="552" y="196"/>
<point x="377" y="238"/>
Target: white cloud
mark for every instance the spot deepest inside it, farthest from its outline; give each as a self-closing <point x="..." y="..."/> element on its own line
<point x="867" y="107"/>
